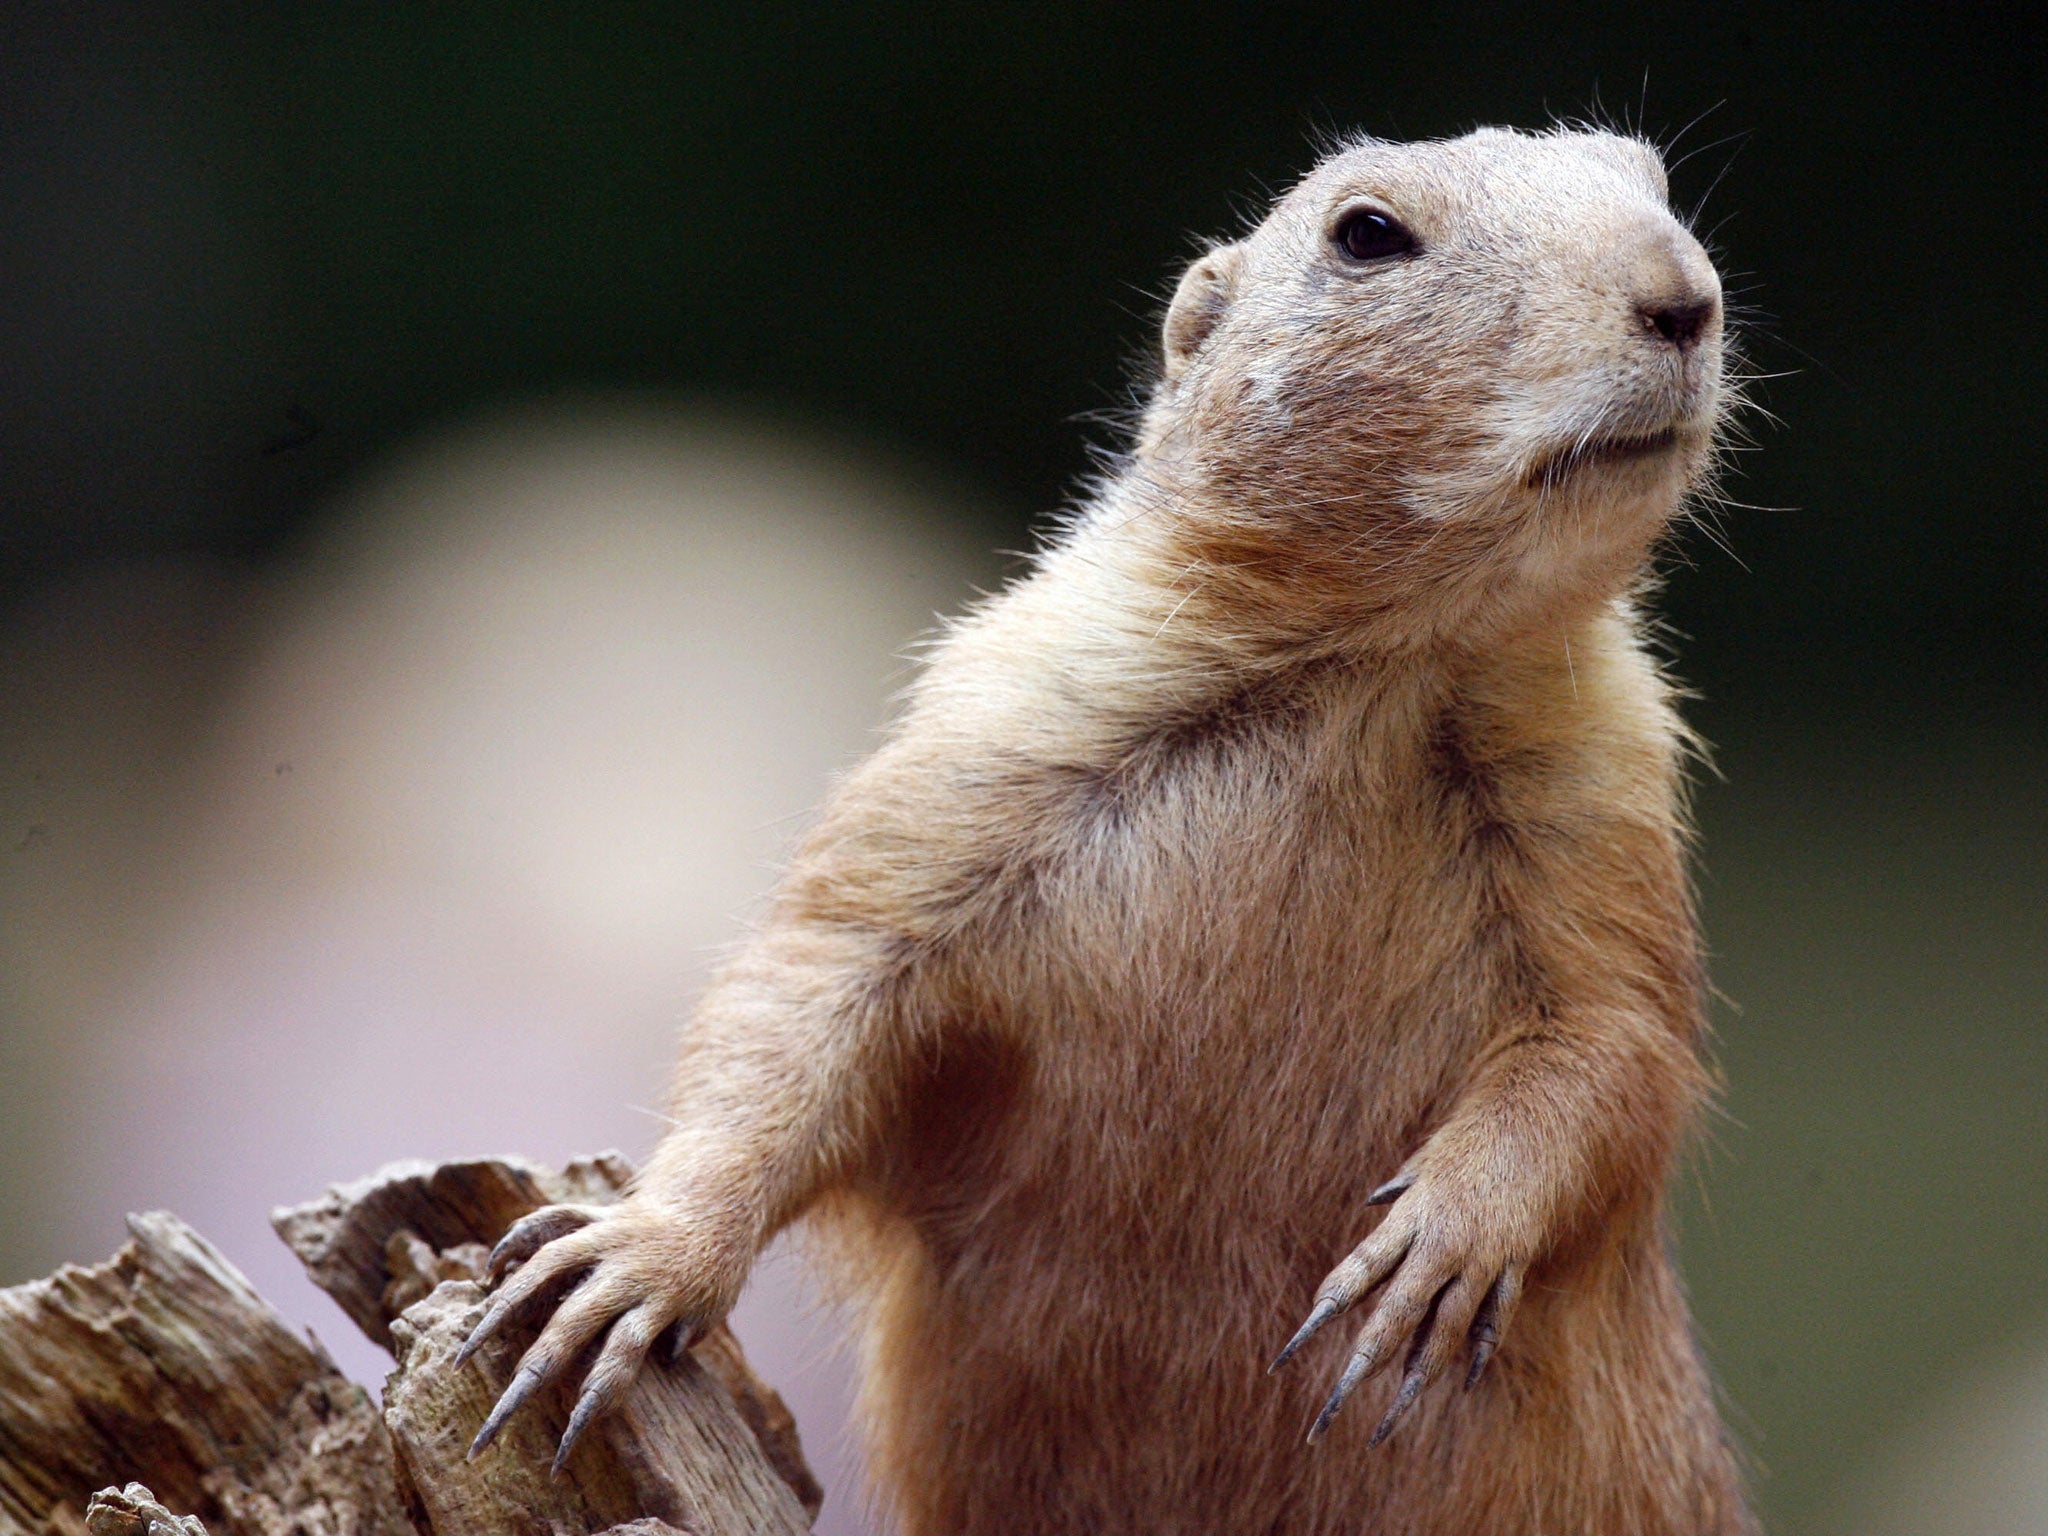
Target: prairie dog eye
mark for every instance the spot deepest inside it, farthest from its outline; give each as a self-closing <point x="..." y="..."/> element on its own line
<point x="1366" y="234"/>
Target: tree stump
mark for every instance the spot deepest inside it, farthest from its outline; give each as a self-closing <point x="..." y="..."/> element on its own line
<point x="164" y="1371"/>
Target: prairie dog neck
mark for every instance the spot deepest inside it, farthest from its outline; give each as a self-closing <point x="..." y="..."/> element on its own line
<point x="1148" y="633"/>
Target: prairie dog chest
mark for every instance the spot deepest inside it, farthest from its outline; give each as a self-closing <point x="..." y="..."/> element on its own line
<point x="1251" y="945"/>
<point x="1364" y="853"/>
<point x="1290" y="872"/>
<point x="1283" y="927"/>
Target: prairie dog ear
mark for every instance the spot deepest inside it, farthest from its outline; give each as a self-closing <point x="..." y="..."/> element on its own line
<point x="1202" y="299"/>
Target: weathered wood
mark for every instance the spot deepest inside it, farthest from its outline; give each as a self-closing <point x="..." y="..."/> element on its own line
<point x="676" y="1448"/>
<point x="163" y="1365"/>
<point x="766" y="1414"/>
<point x="342" y="1237"/>
<point x="135" y="1511"/>
<point x="382" y="1244"/>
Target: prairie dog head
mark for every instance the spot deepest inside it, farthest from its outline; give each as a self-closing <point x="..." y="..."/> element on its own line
<point x="1466" y="371"/>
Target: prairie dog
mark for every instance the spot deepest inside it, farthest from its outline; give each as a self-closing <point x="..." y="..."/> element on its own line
<point x="1288" y="871"/>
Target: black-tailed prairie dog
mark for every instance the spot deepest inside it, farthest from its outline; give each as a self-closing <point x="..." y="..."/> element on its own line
<point x="1288" y="872"/>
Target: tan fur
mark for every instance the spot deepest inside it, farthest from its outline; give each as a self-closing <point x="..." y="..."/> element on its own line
<point x="1311" y="813"/>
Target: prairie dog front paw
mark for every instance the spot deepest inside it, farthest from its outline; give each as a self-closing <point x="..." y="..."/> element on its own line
<point x="1453" y="1271"/>
<point x="626" y="1272"/>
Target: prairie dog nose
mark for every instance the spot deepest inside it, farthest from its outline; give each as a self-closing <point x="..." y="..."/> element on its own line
<point x="1679" y="321"/>
<point x="1677" y="293"/>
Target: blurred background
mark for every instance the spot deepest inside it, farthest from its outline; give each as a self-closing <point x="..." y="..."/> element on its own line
<point x="468" y="475"/>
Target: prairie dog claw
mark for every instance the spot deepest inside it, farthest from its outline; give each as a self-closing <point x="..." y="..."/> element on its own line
<point x="1446" y="1290"/>
<point x="1324" y="1311"/>
<point x="534" y="1231"/>
<point x="616" y="1279"/>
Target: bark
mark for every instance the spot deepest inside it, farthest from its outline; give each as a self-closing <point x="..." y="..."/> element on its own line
<point x="162" y="1367"/>
<point x="135" y="1511"/>
<point x="344" y="1238"/>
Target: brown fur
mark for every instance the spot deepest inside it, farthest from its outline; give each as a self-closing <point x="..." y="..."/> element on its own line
<point x="1311" y="813"/>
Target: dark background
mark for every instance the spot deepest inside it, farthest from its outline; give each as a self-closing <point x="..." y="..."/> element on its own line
<point x="949" y="229"/>
<point x="247" y="251"/>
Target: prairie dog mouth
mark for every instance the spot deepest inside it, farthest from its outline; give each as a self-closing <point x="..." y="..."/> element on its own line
<point x="1626" y="448"/>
